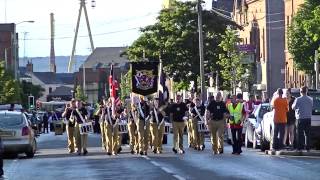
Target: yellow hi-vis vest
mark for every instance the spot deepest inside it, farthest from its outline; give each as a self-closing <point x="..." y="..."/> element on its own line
<point x="236" y="113"/>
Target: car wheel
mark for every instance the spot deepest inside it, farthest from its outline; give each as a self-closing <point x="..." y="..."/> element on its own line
<point x="32" y="149"/>
<point x="247" y="143"/>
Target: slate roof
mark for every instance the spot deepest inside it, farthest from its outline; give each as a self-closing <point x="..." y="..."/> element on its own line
<point x="103" y="57"/>
<point x="61" y="91"/>
<point x="55" y="78"/>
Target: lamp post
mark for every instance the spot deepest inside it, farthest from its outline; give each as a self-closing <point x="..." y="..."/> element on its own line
<point x="31" y="21"/>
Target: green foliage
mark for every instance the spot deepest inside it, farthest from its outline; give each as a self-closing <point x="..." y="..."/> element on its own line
<point x="174" y="37"/>
<point x="180" y="86"/>
<point x="125" y="85"/>
<point x="230" y="61"/>
<point x="80" y="94"/>
<point x="304" y="35"/>
<point x="9" y="89"/>
<point x="29" y="89"/>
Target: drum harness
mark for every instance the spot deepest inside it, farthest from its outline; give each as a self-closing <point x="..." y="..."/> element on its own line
<point x="143" y="116"/>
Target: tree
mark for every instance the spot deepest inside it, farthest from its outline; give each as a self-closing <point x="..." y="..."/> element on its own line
<point x="80" y="94"/>
<point x="9" y="89"/>
<point x="232" y="69"/>
<point x="174" y="38"/>
<point x="304" y="35"/>
<point x="125" y="85"/>
<point x="27" y="88"/>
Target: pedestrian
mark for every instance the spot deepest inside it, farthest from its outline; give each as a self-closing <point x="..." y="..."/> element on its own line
<point x="45" y="123"/>
<point x="216" y="121"/>
<point x="178" y="116"/>
<point x="1" y="158"/>
<point x="280" y="106"/>
<point x="197" y="111"/>
<point x="111" y="128"/>
<point x="157" y="125"/>
<point x="101" y="110"/>
<point x="191" y="141"/>
<point x="237" y="116"/>
<point x="249" y="105"/>
<point x="68" y="114"/>
<point x="143" y="125"/>
<point x="132" y="114"/>
<point x="303" y="111"/>
<point x="291" y="121"/>
<point x="81" y="117"/>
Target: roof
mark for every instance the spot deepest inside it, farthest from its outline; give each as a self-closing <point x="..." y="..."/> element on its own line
<point x="61" y="91"/>
<point x="55" y="78"/>
<point x="104" y="56"/>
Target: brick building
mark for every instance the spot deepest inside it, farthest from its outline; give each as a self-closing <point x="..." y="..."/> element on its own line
<point x="9" y="47"/>
<point x="263" y="23"/>
<point x="293" y="77"/>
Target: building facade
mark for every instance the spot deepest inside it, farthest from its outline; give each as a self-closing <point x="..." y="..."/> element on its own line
<point x="263" y="28"/>
<point x="293" y="77"/>
<point x="9" y="47"/>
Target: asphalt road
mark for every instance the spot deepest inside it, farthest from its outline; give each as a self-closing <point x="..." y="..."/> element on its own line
<point x="52" y="161"/>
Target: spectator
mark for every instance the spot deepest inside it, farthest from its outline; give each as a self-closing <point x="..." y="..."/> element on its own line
<point x="45" y="123"/>
<point x="280" y="106"/>
<point x="1" y="159"/>
<point x="291" y="120"/>
<point x="303" y="108"/>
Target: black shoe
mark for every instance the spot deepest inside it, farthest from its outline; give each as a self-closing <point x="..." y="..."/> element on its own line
<point x="132" y="151"/>
<point x="79" y="153"/>
<point x="202" y="148"/>
<point x="174" y="150"/>
<point x="233" y="153"/>
<point x="119" y="150"/>
<point x="109" y="154"/>
<point x="221" y="152"/>
<point x="145" y="153"/>
<point x="141" y="153"/>
<point x="85" y="152"/>
<point x="155" y="151"/>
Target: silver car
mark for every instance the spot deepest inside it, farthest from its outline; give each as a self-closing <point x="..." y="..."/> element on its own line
<point x="17" y="134"/>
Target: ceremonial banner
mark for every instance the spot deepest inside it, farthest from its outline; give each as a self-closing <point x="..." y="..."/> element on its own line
<point x="144" y="77"/>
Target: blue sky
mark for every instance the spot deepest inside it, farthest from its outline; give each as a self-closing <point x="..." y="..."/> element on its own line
<point x="113" y="23"/>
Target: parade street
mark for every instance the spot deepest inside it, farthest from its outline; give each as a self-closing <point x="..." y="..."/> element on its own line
<point x="52" y="161"/>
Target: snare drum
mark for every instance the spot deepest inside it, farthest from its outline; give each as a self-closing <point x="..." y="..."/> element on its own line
<point x="123" y="127"/>
<point x="86" y="128"/>
<point x="202" y="127"/>
<point x="167" y="127"/>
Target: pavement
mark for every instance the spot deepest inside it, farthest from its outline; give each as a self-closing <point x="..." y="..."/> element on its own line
<point x="52" y="161"/>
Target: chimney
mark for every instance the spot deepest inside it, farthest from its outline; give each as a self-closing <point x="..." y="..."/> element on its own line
<point x="29" y="67"/>
<point x="52" y="54"/>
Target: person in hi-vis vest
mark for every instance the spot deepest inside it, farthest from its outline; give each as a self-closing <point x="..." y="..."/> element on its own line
<point x="237" y="115"/>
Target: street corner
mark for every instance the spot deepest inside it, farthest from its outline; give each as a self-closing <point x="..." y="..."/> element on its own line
<point x="311" y="153"/>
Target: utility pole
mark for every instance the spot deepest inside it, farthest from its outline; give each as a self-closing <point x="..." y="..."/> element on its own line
<point x="203" y="93"/>
<point x="316" y="67"/>
<point x="24" y="46"/>
<point x="82" y="6"/>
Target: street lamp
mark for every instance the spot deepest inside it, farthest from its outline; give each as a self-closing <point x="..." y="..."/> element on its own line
<point x="31" y="21"/>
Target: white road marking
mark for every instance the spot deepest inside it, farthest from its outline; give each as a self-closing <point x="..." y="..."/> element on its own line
<point x="167" y="170"/>
<point x="179" y="177"/>
<point x="155" y="163"/>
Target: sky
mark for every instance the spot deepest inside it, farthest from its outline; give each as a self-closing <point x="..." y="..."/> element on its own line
<point x="113" y="23"/>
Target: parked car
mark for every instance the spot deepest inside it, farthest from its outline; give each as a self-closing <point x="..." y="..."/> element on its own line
<point x="17" y="134"/>
<point x="253" y="122"/>
<point x="1" y="158"/>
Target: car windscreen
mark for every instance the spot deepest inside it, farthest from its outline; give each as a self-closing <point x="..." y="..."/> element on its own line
<point x="263" y="110"/>
<point x="316" y="101"/>
<point x="10" y="120"/>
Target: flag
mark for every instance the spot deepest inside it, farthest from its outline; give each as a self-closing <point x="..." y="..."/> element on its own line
<point x="144" y="77"/>
<point x="112" y="83"/>
<point x="163" y="92"/>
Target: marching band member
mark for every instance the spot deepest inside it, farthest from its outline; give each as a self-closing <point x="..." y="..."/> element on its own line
<point x="119" y="115"/>
<point x="67" y="114"/>
<point x="100" y="113"/>
<point x="156" y="126"/>
<point x="177" y="116"/>
<point x="197" y="111"/>
<point x="111" y="129"/>
<point x="131" y="113"/>
<point x="81" y="117"/>
<point x="143" y="126"/>
<point x="190" y="126"/>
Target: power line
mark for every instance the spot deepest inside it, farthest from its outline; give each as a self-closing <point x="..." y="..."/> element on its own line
<point x="83" y="36"/>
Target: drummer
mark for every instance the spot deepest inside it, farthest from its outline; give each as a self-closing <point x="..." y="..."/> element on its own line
<point x="157" y="125"/>
<point x="197" y="111"/>
<point x="81" y="115"/>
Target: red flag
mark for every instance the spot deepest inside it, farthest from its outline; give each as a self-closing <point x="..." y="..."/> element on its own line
<point x="112" y="83"/>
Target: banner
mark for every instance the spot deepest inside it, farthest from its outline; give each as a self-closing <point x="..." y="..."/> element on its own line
<point x="144" y="77"/>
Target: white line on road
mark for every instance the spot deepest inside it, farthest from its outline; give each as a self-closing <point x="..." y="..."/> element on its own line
<point x="167" y="170"/>
<point x="155" y="163"/>
<point x="179" y="177"/>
